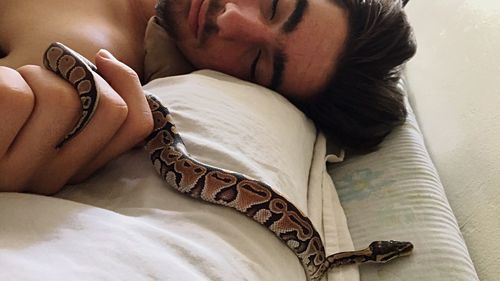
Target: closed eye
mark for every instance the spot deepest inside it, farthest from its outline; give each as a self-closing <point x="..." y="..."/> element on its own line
<point x="253" y="67"/>
<point x="274" y="6"/>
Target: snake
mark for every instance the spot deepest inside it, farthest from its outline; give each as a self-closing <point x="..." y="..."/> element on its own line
<point x="251" y="197"/>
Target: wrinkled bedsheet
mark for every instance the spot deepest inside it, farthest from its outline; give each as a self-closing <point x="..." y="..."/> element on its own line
<point x="125" y="223"/>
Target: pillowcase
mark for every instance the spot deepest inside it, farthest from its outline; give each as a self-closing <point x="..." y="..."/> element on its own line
<point x="243" y="127"/>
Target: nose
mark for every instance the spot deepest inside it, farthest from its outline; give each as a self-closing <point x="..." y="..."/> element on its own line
<point x="243" y="24"/>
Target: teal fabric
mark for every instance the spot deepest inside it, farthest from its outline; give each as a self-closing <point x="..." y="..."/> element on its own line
<point x="395" y="193"/>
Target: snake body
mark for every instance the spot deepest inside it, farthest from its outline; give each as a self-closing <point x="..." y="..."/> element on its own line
<point x="251" y="197"/>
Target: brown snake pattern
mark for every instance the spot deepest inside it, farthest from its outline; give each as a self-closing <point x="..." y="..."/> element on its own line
<point x="253" y="198"/>
<point x="77" y="70"/>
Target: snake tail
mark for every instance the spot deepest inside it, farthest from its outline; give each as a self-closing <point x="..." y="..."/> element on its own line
<point x="77" y="70"/>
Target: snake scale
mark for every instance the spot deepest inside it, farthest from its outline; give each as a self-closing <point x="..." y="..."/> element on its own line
<point x="251" y="197"/>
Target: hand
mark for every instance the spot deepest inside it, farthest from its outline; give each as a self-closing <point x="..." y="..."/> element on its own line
<point x="38" y="109"/>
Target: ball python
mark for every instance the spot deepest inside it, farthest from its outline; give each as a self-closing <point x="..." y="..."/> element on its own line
<point x="181" y="171"/>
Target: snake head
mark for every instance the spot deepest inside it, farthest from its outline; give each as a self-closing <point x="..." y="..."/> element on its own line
<point x="384" y="251"/>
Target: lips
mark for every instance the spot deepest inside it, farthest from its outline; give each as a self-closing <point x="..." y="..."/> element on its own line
<point x="196" y="17"/>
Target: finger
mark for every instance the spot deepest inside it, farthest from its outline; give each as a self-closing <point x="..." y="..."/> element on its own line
<point x="91" y="142"/>
<point x="16" y="104"/>
<point x="139" y="122"/>
<point x="56" y="110"/>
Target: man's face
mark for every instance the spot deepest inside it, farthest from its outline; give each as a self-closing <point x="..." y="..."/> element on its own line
<point x="288" y="45"/>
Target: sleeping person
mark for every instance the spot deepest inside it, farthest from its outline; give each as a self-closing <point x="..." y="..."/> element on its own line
<point x="337" y="61"/>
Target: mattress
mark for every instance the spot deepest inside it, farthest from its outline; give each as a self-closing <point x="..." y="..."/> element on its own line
<point x="396" y="193"/>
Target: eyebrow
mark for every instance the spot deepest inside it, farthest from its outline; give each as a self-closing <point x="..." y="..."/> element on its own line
<point x="279" y="59"/>
<point x="296" y="17"/>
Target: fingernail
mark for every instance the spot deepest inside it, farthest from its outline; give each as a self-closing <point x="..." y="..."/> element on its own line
<point x="106" y="54"/>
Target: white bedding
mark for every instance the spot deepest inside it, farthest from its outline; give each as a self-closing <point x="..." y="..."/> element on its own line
<point x="126" y="224"/>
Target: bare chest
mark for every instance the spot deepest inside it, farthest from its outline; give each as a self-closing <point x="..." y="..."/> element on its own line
<point x="28" y="27"/>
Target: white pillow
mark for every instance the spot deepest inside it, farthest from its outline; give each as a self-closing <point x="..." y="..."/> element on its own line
<point x="240" y="126"/>
<point x="243" y="127"/>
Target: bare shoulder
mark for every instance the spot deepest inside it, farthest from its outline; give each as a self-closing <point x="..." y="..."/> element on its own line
<point x="27" y="27"/>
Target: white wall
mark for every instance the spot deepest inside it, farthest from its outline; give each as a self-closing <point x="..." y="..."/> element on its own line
<point x="454" y="83"/>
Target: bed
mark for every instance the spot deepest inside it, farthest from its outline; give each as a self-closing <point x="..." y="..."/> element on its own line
<point x="125" y="223"/>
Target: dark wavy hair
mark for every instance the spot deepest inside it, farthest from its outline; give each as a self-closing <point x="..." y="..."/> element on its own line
<point x="362" y="102"/>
